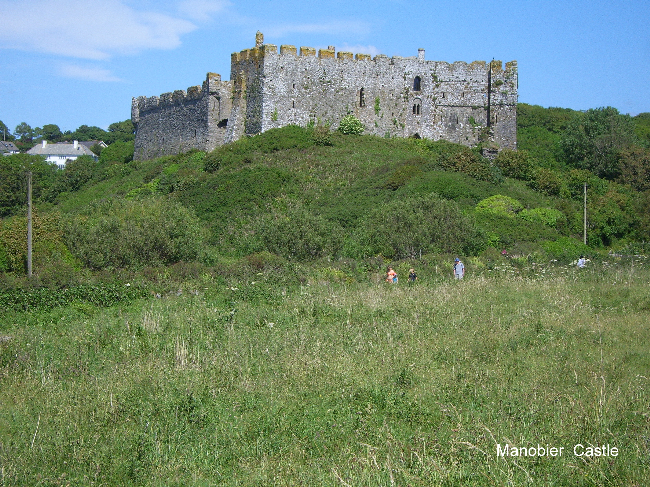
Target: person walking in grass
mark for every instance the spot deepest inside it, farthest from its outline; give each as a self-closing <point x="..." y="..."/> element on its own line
<point x="391" y="275"/>
<point x="412" y="275"/>
<point x="459" y="269"/>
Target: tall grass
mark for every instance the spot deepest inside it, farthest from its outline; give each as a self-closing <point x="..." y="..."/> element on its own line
<point x="257" y="381"/>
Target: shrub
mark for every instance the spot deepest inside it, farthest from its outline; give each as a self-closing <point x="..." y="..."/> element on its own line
<point x="547" y="181"/>
<point x="118" y="152"/>
<point x="514" y="164"/>
<point x="565" y="249"/>
<point x="413" y="226"/>
<point x="499" y="205"/>
<point x="135" y="233"/>
<point x="546" y="216"/>
<point x="351" y="125"/>
<point x="297" y="234"/>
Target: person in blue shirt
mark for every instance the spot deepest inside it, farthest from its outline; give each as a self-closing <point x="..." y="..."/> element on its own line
<point x="459" y="269"/>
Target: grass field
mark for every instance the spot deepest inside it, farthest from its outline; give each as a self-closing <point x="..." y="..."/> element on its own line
<point x="337" y="381"/>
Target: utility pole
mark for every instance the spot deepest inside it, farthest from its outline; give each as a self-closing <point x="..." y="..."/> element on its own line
<point x="29" y="223"/>
<point x="585" y="215"/>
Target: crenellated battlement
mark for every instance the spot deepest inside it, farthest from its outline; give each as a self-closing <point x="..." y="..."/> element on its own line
<point x="392" y="96"/>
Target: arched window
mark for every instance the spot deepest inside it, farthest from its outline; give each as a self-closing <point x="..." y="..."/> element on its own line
<point x="416" y="83"/>
<point x="417" y="109"/>
<point x="362" y="101"/>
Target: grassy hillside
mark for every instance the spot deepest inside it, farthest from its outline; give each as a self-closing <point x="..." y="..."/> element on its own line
<point x="255" y="380"/>
<point x="222" y="318"/>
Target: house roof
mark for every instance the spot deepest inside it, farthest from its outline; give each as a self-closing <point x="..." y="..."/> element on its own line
<point x="6" y="146"/>
<point x="62" y="149"/>
<point x="90" y="143"/>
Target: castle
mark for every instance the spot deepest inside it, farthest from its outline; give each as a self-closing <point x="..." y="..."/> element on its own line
<point x="393" y="97"/>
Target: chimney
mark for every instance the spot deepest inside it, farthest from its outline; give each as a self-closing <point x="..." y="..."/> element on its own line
<point x="76" y="145"/>
<point x="44" y="143"/>
<point x="421" y="54"/>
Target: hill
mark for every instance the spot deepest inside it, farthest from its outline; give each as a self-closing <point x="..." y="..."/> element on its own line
<point x="223" y="319"/>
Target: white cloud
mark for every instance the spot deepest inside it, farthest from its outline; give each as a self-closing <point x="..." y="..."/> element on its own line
<point x="86" y="73"/>
<point x="202" y="10"/>
<point x="87" y="29"/>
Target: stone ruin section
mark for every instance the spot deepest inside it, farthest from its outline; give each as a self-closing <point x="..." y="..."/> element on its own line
<point x="393" y="97"/>
<point x="177" y="122"/>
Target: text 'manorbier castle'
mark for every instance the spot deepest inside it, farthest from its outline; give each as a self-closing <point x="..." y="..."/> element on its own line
<point x="395" y="97"/>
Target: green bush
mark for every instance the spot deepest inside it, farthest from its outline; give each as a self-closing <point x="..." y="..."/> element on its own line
<point x="129" y="233"/>
<point x="118" y="152"/>
<point x="414" y="226"/>
<point x="297" y="234"/>
<point x="547" y="216"/>
<point x="499" y="205"/>
<point x="515" y="164"/>
<point x="547" y="181"/>
<point x="351" y="125"/>
<point x="565" y="249"/>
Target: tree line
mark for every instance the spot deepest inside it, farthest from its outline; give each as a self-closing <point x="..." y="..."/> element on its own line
<point x="25" y="137"/>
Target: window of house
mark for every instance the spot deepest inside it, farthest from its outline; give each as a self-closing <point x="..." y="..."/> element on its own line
<point x="416" y="83"/>
<point x="362" y="101"/>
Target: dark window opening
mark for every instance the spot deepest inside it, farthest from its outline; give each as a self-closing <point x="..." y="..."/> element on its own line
<point x="222" y="123"/>
<point x="362" y="100"/>
<point x="416" y="83"/>
<point x="417" y="109"/>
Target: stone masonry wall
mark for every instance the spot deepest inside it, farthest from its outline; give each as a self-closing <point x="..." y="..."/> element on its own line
<point x="398" y="96"/>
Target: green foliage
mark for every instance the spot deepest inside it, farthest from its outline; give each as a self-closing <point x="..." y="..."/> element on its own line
<point x="44" y="298"/>
<point x="469" y="162"/>
<point x="610" y="217"/>
<point x="296" y="234"/>
<point x="414" y="226"/>
<point x="50" y="132"/>
<point x="635" y="168"/>
<point x="565" y="249"/>
<point x="642" y="128"/>
<point x="134" y="233"/>
<point x="322" y="135"/>
<point x="515" y="164"/>
<point x="24" y="132"/>
<point x="51" y="258"/>
<point x="546" y="216"/>
<point x="117" y="153"/>
<point x="539" y="131"/>
<point x="404" y="173"/>
<point x="246" y="150"/>
<point x="13" y="181"/>
<point x="595" y="139"/>
<point x="547" y="181"/>
<point x="351" y="125"/>
<point x="77" y="173"/>
<point x="575" y="180"/>
<point x="499" y="205"/>
<point x="120" y="132"/>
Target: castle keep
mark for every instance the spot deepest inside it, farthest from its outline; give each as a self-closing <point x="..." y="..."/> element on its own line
<point x="395" y="97"/>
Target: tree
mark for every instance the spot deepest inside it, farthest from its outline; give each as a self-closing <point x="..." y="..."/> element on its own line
<point x="5" y="133"/>
<point x="635" y="168"/>
<point x="120" y="132"/>
<point x="13" y="186"/>
<point x="595" y="139"/>
<point x="24" y="133"/>
<point x="86" y="132"/>
<point x="50" y="132"/>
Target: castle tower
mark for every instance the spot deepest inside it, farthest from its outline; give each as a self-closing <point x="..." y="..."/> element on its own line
<point x="393" y="97"/>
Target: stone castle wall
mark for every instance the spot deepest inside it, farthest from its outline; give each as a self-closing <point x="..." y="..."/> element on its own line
<point x="395" y="97"/>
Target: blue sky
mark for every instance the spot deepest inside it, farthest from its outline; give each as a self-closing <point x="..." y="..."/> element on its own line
<point x="76" y="62"/>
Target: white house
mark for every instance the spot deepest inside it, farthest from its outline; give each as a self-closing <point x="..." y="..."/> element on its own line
<point x="60" y="153"/>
